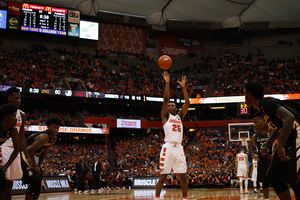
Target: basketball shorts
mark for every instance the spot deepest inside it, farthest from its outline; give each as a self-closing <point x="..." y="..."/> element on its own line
<point x="14" y="171"/>
<point x="242" y="172"/>
<point x="288" y="172"/>
<point x="263" y="166"/>
<point x="254" y="176"/>
<point x="172" y="157"/>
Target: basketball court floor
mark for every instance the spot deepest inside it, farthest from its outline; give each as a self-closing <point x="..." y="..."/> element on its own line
<point x="147" y="194"/>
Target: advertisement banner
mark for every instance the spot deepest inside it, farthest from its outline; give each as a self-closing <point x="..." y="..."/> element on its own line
<point x="63" y="129"/>
<point x="240" y="99"/>
<point x="3" y="18"/>
<point x="150" y="50"/>
<point x="89" y="30"/>
<point x="122" y="38"/>
<point x="128" y="123"/>
<point x="143" y="182"/>
<point x="175" y="45"/>
<point x="189" y="42"/>
<point x="44" y="8"/>
<point x="49" y="184"/>
<point x="73" y="30"/>
<point x="14" y="8"/>
<point x="74" y="16"/>
<point x="13" y="22"/>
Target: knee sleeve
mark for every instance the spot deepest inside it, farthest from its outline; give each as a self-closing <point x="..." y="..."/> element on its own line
<point x="279" y="187"/>
<point x="241" y="179"/>
<point x="265" y="185"/>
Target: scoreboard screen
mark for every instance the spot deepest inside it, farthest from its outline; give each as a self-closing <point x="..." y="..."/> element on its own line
<point x="243" y="109"/>
<point x="44" y="19"/>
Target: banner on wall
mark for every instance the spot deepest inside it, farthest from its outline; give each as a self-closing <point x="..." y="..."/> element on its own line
<point x="122" y="38"/>
<point x="128" y="123"/>
<point x="175" y="45"/>
<point x="64" y="129"/>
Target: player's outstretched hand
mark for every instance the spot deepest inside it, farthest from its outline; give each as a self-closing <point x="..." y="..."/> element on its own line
<point x="166" y="76"/>
<point x="3" y="168"/>
<point x="182" y="82"/>
<point x="281" y="154"/>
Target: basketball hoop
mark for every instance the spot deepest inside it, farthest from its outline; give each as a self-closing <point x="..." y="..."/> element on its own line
<point x="244" y="140"/>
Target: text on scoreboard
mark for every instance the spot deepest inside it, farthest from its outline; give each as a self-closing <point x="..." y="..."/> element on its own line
<point x="44" y="19"/>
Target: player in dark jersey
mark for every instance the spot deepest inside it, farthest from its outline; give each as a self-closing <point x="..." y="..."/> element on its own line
<point x="285" y="165"/>
<point x="260" y="139"/>
<point x="38" y="146"/>
<point x="7" y="122"/>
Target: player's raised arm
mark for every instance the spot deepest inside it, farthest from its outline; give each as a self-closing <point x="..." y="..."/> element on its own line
<point x="164" y="110"/>
<point x="186" y="105"/>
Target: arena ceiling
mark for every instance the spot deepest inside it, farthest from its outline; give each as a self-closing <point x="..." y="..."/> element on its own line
<point x="193" y="10"/>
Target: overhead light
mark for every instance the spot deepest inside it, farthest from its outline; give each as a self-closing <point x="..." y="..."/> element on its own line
<point x="117" y="13"/>
<point x="188" y="109"/>
<point x="216" y="108"/>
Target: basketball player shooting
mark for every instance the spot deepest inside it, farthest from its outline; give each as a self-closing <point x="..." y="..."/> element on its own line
<point x="172" y="155"/>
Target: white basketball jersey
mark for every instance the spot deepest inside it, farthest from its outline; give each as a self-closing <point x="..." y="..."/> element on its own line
<point x="9" y="143"/>
<point x="173" y="129"/>
<point x="254" y="164"/>
<point x="242" y="160"/>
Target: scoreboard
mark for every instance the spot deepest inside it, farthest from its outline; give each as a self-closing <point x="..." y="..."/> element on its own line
<point x="47" y="19"/>
<point x="242" y="109"/>
<point x="44" y="19"/>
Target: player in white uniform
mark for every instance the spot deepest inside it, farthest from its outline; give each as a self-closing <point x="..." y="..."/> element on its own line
<point x="14" y="172"/>
<point x="172" y="154"/>
<point x="254" y="174"/>
<point x="242" y="166"/>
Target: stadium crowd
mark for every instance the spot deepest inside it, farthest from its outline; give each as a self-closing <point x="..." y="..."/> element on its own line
<point x="130" y="79"/>
<point x="37" y="117"/>
<point x="34" y="67"/>
<point x="207" y="147"/>
<point x="281" y="76"/>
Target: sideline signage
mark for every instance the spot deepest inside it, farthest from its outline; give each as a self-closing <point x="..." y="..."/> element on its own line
<point x="143" y="182"/>
<point x="49" y="184"/>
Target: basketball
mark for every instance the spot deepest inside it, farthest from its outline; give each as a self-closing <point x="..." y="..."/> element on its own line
<point x="164" y="62"/>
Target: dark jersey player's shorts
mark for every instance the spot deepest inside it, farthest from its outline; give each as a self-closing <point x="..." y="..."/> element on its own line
<point x="280" y="171"/>
<point x="263" y="166"/>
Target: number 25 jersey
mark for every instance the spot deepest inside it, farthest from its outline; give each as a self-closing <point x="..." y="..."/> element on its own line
<point x="173" y="129"/>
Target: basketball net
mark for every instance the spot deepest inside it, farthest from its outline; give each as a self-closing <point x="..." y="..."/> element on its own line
<point x="244" y="141"/>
